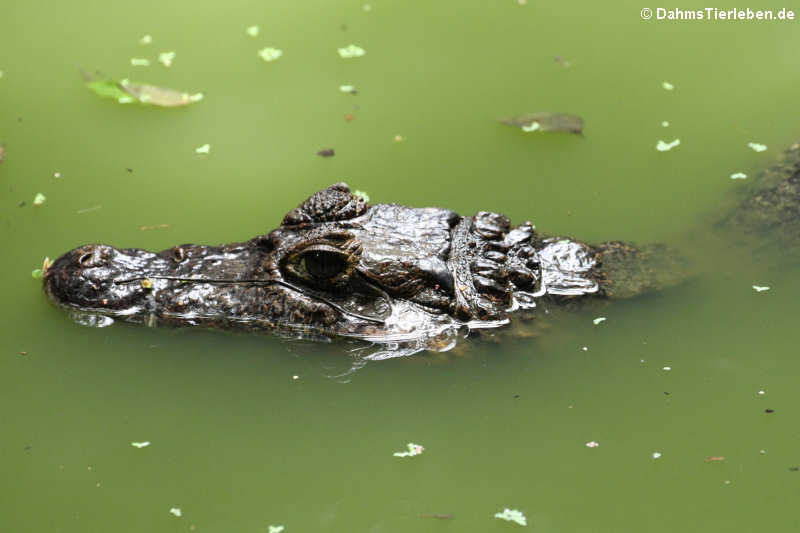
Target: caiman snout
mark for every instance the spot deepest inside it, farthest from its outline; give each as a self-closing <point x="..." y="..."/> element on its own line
<point x="85" y="278"/>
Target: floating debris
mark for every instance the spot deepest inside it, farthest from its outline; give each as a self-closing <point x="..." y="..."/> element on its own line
<point x="88" y="209"/>
<point x="351" y="51"/>
<point x="348" y="117"/>
<point x="665" y="146"/>
<point x="656" y="455"/>
<point x="140" y="62"/>
<point x="347" y="89"/>
<point x="146" y="283"/>
<point x="156" y="226"/>
<point x="295" y="377"/>
<point x="398" y="139"/>
<point x="665" y="124"/>
<point x="592" y="444"/>
<point x="512" y="515"/>
<point x="363" y="195"/>
<point x="276" y="529"/>
<point x="2" y="73"/>
<point x="39" y="199"/>
<point x="560" y="60"/>
<point x="546" y="122"/>
<point x="437" y="516"/>
<point x="769" y="411"/>
<point x="253" y="31"/>
<point x="761" y="393"/>
<point x="585" y="348"/>
<point x="327" y="152"/>
<point x="738" y="176"/>
<point x="146" y="39"/>
<point x="57" y="175"/>
<point x="667" y="368"/>
<point x="759" y="288"/>
<point x="127" y="92"/>
<point x="166" y="58"/>
<point x="176" y="511"/>
<point x="667" y="86"/>
<point x="757" y="147"/>
<point x="599" y="320"/>
<point x="270" y="54"/>
<point x="36" y="273"/>
<point x="206" y="148"/>
<point x="144" y="444"/>
<point x="367" y="8"/>
<point x="714" y="458"/>
<point x="2" y="152"/>
<point x="413" y="449"/>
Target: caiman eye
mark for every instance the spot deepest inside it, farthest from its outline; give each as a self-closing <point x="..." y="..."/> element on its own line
<point x="324" y="265"/>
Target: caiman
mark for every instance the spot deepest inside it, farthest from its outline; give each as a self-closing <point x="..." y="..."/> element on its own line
<point x="340" y="267"/>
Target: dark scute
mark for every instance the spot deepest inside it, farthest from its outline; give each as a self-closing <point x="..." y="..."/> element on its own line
<point x="328" y="205"/>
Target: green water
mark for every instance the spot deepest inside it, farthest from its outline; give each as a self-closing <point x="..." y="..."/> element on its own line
<point x="237" y="442"/>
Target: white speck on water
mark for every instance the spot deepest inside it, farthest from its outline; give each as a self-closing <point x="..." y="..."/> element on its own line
<point x="166" y="58"/>
<point x="347" y="88"/>
<point x="270" y="54"/>
<point x="656" y="455"/>
<point x="140" y="62"/>
<point x="206" y="148"/>
<point x="667" y="86"/>
<point x="665" y="124"/>
<point x="592" y="444"/>
<point x="146" y="39"/>
<point x="667" y="368"/>
<point x="738" y="176"/>
<point x="57" y="175"/>
<point x="413" y="449"/>
<point x="367" y="8"/>
<point x="599" y="320"/>
<point x="585" y="348"/>
<point x="140" y="444"/>
<point x="176" y="511"/>
<point x="253" y="31"/>
<point x="276" y="529"/>
<point x="757" y="147"/>
<point x="533" y="126"/>
<point x="295" y="377"/>
<point x="759" y="288"/>
<point x="761" y="393"/>
<point x="351" y="51"/>
<point x="512" y="515"/>
<point x="665" y="146"/>
<point x="39" y="199"/>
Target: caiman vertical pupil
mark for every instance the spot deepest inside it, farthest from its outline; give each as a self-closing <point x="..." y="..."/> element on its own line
<point x="324" y="265"/>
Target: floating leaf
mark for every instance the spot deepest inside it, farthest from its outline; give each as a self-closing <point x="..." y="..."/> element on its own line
<point x="126" y="92"/>
<point x="667" y="86"/>
<point x="757" y="147"/>
<point x="547" y="122"/>
<point x="39" y="199"/>
<point x="738" y="176"/>
<point x="759" y="288"/>
<point x="253" y="31"/>
<point x="166" y="58"/>
<point x="362" y="194"/>
<point x="270" y="54"/>
<point x="413" y="449"/>
<point x="140" y="62"/>
<point x="512" y="515"/>
<point x="36" y="273"/>
<point x="665" y="146"/>
<point x="176" y="511"/>
<point x="140" y="444"/>
<point x="351" y="51"/>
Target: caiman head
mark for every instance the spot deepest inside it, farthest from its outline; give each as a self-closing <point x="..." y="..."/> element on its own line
<point x="336" y="266"/>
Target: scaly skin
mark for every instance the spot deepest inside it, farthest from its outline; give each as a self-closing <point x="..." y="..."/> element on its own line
<point x="339" y="267"/>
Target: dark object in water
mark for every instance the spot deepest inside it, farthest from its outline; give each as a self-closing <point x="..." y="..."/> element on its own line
<point x="327" y="152"/>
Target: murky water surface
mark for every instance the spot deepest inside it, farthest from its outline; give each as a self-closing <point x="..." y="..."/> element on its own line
<point x="248" y="431"/>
